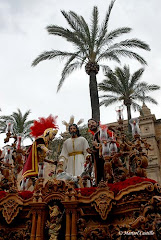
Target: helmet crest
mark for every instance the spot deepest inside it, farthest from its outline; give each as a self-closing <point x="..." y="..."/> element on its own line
<point x="42" y="124"/>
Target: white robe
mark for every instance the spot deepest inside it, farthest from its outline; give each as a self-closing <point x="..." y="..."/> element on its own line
<point x="74" y="164"/>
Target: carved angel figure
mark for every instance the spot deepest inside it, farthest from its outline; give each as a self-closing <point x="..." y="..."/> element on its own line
<point x="54" y="224"/>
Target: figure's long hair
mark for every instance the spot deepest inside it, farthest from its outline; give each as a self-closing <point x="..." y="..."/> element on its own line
<point x="93" y="120"/>
<point x="75" y="125"/>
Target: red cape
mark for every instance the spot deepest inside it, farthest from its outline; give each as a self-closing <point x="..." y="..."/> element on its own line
<point x="30" y="168"/>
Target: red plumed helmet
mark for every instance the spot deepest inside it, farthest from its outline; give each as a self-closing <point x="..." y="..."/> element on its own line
<point x="42" y="124"/>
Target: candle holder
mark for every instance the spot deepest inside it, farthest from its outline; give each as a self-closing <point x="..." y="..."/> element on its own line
<point x="113" y="147"/>
<point x="19" y="143"/>
<point x="134" y="122"/>
<point x="8" y="155"/>
<point x="9" y="126"/>
<point x="105" y="149"/>
<point x="9" y="130"/>
<point x="119" y="111"/>
<point x="103" y="133"/>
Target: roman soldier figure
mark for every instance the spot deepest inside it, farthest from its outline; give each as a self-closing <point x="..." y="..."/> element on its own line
<point x="44" y="130"/>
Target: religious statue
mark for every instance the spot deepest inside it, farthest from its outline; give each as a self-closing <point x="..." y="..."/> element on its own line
<point x="54" y="224"/>
<point x="74" y="152"/>
<point x="44" y="130"/>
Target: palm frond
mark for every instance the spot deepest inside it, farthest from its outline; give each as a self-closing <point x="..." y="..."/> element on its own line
<point x="2" y="126"/>
<point x="73" y="37"/>
<point x="105" y="68"/>
<point x="94" y="26"/>
<point x="136" y="106"/>
<point x="108" y="101"/>
<point x="126" y="87"/>
<point x="111" y="85"/>
<point x="48" y="55"/>
<point x="143" y="88"/>
<point x="116" y="80"/>
<point x="116" y="33"/>
<point x="131" y="43"/>
<point x="103" y="29"/>
<point x="65" y="71"/>
<point x="136" y="77"/>
<point x="68" y="70"/>
<point x="83" y="26"/>
<point x="150" y="100"/>
<point x="28" y="123"/>
<point x="123" y="78"/>
<point x="126" y="53"/>
<point x="25" y="116"/>
<point x="110" y="37"/>
<point x="21" y="125"/>
<point x="145" y="98"/>
<point x="75" y="23"/>
<point x="153" y="87"/>
<point x="71" y="20"/>
<point x="5" y="118"/>
<point x="108" y="56"/>
<point x="108" y="96"/>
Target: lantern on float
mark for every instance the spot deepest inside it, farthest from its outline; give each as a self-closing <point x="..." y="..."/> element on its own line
<point x="119" y="111"/>
<point x="113" y="147"/>
<point x="19" y="143"/>
<point x="8" y="154"/>
<point x="134" y="122"/>
<point x="9" y="126"/>
<point x="103" y="133"/>
<point x="105" y="149"/>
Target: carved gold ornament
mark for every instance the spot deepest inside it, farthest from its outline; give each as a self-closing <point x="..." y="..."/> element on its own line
<point x="10" y="210"/>
<point x="103" y="205"/>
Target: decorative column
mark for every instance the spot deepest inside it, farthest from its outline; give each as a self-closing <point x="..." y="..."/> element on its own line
<point x="68" y="224"/>
<point x="71" y="206"/>
<point x="38" y="221"/>
<point x="33" y="230"/>
<point x="38" y="229"/>
<point x="74" y="225"/>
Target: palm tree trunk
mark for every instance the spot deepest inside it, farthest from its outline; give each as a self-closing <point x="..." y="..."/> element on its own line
<point x="129" y="116"/>
<point x="94" y="96"/>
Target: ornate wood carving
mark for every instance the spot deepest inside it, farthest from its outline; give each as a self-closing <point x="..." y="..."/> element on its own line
<point x="10" y="210"/>
<point x="17" y="234"/>
<point x="137" y="187"/>
<point x="103" y="205"/>
<point x="150" y="218"/>
<point x="85" y="233"/>
<point x="62" y="190"/>
<point x="54" y="225"/>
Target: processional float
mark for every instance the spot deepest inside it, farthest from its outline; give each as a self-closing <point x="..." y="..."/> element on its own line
<point x="125" y="204"/>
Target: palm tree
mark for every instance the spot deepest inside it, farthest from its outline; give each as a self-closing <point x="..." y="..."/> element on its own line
<point x="21" y="125"/>
<point x="93" y="43"/>
<point x="127" y="88"/>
